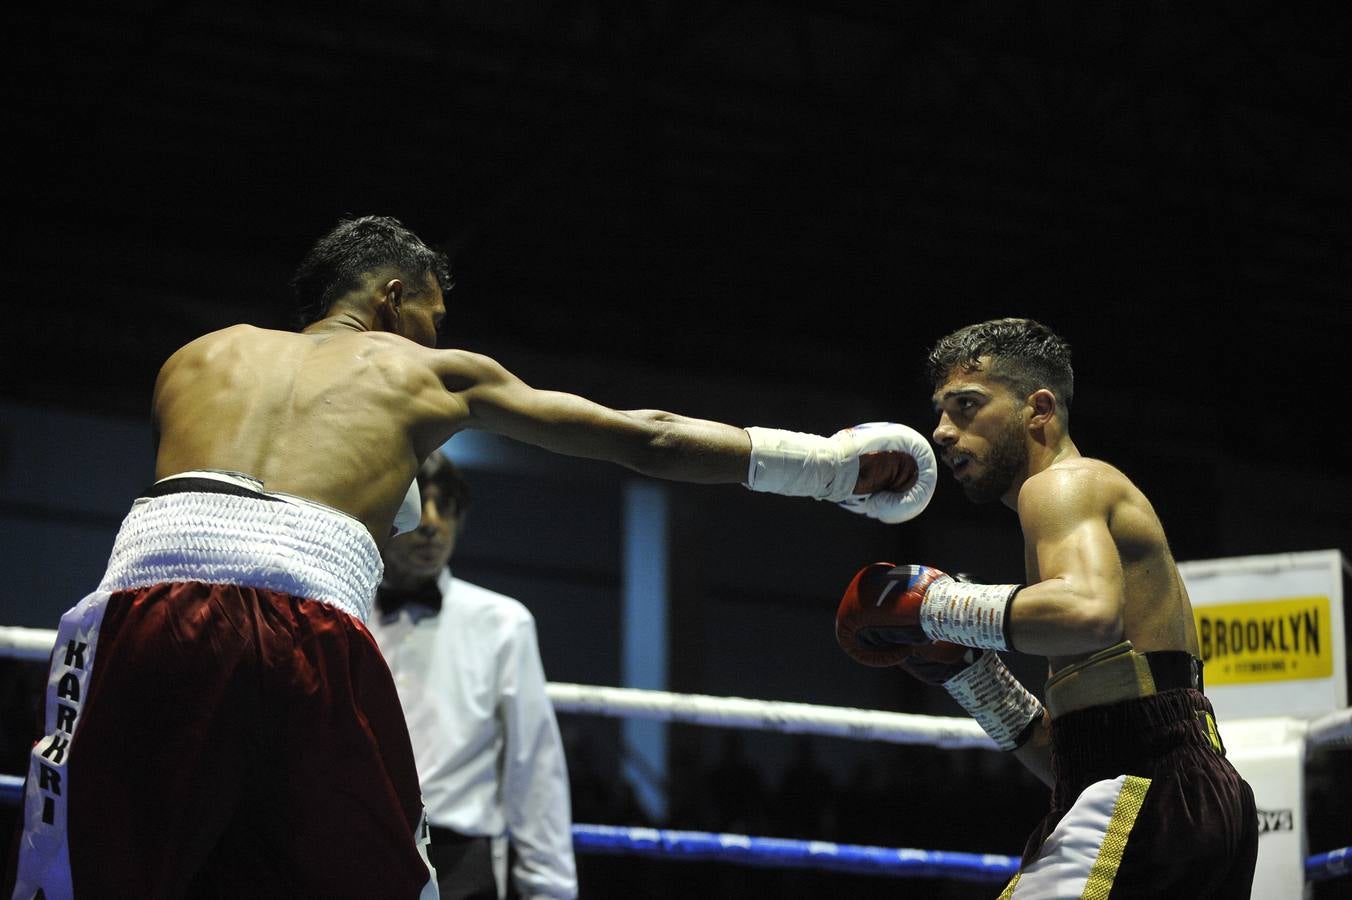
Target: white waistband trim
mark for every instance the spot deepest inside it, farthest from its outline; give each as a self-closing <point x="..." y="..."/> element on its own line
<point x="305" y="550"/>
<point x="239" y="479"/>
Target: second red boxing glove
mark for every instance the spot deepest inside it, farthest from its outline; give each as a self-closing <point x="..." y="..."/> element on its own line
<point x="878" y="619"/>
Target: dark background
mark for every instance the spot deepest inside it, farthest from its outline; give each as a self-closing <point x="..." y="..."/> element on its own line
<point x="760" y="212"/>
<point x="804" y="192"/>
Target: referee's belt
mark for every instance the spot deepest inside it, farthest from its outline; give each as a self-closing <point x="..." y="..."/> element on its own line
<point x="445" y="836"/>
<point x="1121" y="673"/>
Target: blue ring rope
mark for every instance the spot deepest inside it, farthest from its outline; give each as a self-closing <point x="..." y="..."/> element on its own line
<point x="1333" y="864"/>
<point x="785" y="853"/>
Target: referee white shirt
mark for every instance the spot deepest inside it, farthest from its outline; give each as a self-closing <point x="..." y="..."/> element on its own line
<point x="484" y="735"/>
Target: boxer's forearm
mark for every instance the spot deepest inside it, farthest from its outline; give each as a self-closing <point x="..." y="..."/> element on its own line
<point x="682" y="448"/>
<point x="1036" y="753"/>
<point x="651" y="442"/>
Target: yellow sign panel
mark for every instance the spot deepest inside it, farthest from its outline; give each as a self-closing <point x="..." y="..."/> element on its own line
<point x="1265" y="640"/>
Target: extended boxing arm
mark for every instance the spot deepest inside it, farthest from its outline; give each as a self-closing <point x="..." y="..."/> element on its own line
<point x="652" y="442"/>
<point x="881" y="470"/>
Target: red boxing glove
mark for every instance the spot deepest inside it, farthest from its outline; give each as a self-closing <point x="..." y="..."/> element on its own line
<point x="937" y="662"/>
<point x="878" y="620"/>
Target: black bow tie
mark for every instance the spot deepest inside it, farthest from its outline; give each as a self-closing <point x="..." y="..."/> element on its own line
<point x="391" y="600"/>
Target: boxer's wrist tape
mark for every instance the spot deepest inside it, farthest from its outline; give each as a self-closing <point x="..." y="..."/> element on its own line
<point x="800" y="465"/>
<point x="1001" y="705"/>
<point x="973" y="615"/>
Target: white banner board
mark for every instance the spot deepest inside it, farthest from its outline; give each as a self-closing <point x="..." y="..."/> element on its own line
<point x="1270" y="754"/>
<point x="1271" y="633"/>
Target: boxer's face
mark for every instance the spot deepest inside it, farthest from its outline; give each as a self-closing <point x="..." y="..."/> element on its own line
<point x="981" y="435"/>
<point x="421" y="554"/>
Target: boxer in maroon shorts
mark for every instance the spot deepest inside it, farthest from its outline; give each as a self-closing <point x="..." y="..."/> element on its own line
<point x="210" y="709"/>
<point x="1144" y="802"/>
<point x="219" y="721"/>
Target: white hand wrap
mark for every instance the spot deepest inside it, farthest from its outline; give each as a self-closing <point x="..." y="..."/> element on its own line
<point x="973" y="615"/>
<point x="1001" y="705"/>
<point x="809" y="465"/>
<point x="801" y="465"/>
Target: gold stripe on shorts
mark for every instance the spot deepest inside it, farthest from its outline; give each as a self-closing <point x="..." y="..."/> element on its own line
<point x="1104" y="872"/>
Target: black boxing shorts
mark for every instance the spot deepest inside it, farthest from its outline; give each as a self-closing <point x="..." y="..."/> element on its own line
<point x="218" y="720"/>
<point x="1145" y="805"/>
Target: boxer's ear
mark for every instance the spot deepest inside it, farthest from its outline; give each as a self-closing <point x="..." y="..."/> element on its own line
<point x="389" y="304"/>
<point x="1042" y="404"/>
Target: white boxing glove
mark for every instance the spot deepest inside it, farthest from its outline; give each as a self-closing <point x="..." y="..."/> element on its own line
<point x="827" y="468"/>
<point x="893" y="506"/>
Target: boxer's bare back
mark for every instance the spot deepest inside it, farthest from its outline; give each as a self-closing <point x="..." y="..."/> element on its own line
<point x="343" y="413"/>
<point x="337" y="414"/>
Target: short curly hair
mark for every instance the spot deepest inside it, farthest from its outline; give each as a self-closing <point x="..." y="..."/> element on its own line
<point x="354" y="249"/>
<point x="1025" y="354"/>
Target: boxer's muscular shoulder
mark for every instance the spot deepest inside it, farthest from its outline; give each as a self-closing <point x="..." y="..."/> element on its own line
<point x="462" y="370"/>
<point x="1081" y="490"/>
<point x="427" y="380"/>
<point x="1073" y="489"/>
<point x="203" y="362"/>
<point x="202" y="348"/>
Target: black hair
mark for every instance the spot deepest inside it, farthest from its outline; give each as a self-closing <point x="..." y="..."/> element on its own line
<point x="438" y="470"/>
<point x="341" y="260"/>
<point x="1026" y="355"/>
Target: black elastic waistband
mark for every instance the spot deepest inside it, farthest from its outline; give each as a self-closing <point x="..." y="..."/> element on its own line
<point x="194" y="485"/>
<point x="1174" y="670"/>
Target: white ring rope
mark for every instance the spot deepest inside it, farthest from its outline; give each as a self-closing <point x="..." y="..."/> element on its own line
<point x="1332" y="729"/>
<point x="735" y="712"/>
<point x="26" y="643"/>
<point x="770" y="715"/>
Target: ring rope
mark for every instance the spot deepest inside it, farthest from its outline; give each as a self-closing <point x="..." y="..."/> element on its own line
<point x="949" y="732"/>
<point x="769" y="715"/>
<point x="743" y="849"/>
<point x="30" y="644"/>
<point x="1333" y="729"/>
<point x="784" y="852"/>
<point x="1333" y="864"/>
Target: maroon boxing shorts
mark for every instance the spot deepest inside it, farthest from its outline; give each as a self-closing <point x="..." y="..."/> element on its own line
<point x="218" y="720"/>
<point x="1145" y="805"/>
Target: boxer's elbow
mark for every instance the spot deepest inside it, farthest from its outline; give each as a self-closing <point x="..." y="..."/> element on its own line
<point x="1059" y="618"/>
<point x="1101" y="626"/>
<point x="1096" y="621"/>
<point x="658" y="447"/>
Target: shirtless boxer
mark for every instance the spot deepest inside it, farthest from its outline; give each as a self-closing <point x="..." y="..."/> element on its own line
<point x="1144" y="803"/>
<point x="219" y="721"/>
